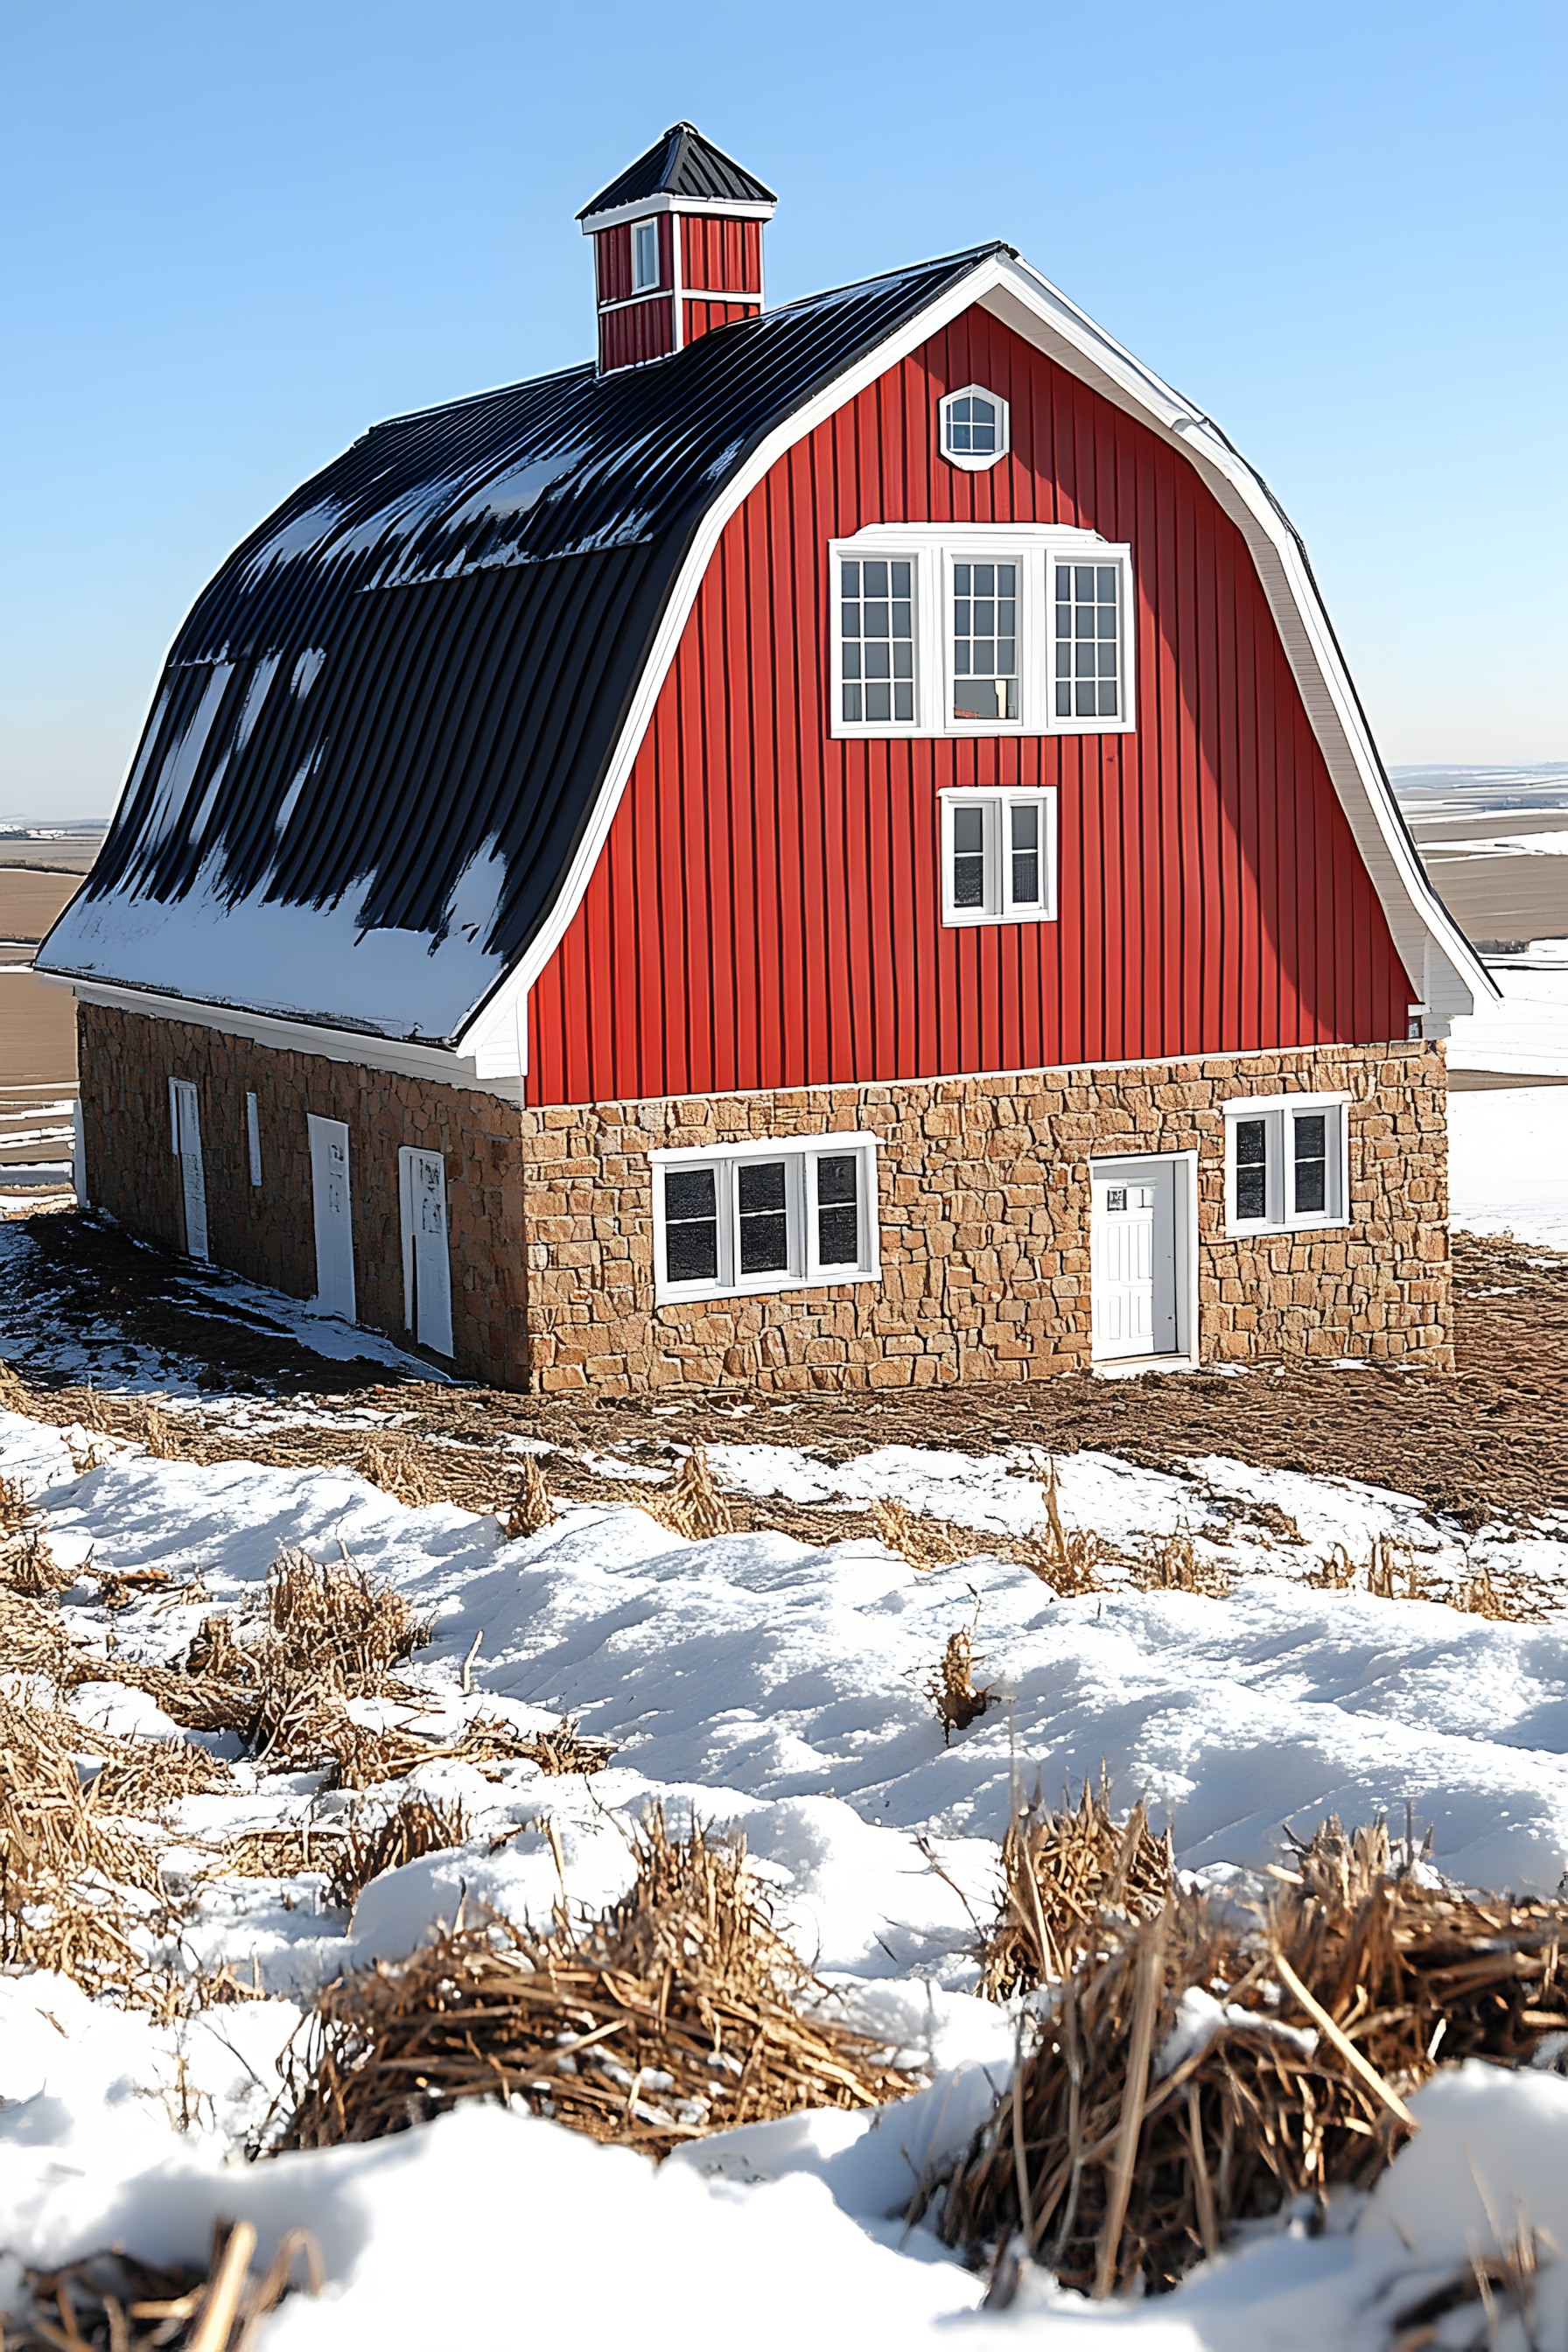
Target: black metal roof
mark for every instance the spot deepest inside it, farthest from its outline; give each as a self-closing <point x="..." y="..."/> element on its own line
<point x="381" y="732"/>
<point x="681" y="163"/>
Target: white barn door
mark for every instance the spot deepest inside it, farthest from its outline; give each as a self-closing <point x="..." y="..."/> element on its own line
<point x="333" y="1215"/>
<point x="184" y="1117"/>
<point x="1133" y="1254"/>
<point x="426" y="1255"/>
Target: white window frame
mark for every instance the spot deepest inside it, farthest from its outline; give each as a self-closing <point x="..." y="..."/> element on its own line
<point x="969" y="461"/>
<point x="1281" y="1214"/>
<point x="800" y="1153"/>
<point x="641" y="285"/>
<point x="954" y="553"/>
<point x="1000" y="906"/>
<point x="933" y="548"/>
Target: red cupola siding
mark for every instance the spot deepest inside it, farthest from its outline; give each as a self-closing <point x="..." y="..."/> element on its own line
<point x="833" y="846"/>
<point x="677" y="249"/>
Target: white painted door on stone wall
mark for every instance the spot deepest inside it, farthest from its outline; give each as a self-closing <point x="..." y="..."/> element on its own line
<point x="186" y="1119"/>
<point x="1134" y="1259"/>
<point x="427" y="1253"/>
<point x="333" y="1215"/>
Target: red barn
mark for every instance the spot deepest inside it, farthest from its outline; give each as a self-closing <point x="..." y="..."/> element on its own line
<point x="836" y="846"/>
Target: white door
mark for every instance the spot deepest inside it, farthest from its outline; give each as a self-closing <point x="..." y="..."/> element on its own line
<point x="184" y="1114"/>
<point x="427" y="1257"/>
<point x="1134" y="1259"/>
<point x="334" y="1225"/>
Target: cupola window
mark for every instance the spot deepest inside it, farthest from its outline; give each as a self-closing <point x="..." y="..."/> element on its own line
<point x="645" y="255"/>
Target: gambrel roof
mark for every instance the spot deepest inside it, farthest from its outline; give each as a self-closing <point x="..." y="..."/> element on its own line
<point x="391" y="735"/>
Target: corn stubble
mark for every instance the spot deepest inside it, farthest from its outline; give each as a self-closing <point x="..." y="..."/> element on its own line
<point x="680" y="2011"/>
<point x="119" y="2303"/>
<point x="1339" y="1998"/>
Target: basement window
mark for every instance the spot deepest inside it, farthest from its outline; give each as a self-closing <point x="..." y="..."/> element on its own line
<point x="766" y="1216"/>
<point x="998" y="857"/>
<point x="1285" y="1164"/>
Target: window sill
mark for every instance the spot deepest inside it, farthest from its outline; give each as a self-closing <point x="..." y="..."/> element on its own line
<point x="892" y="731"/>
<point x="767" y="1285"/>
<point x="1264" y="1232"/>
<point x="967" y="922"/>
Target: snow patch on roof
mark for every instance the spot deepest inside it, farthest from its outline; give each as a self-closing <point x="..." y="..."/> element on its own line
<point x="167" y="804"/>
<point x="314" y="963"/>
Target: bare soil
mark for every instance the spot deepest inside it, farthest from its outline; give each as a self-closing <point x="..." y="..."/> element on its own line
<point x="1489" y="1442"/>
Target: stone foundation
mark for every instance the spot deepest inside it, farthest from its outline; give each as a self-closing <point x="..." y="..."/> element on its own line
<point x="984" y="1211"/>
<point x="984" y="1217"/>
<point x="265" y="1232"/>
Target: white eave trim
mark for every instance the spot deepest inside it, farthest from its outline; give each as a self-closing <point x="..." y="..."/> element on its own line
<point x="400" y="1056"/>
<point x="1449" y="975"/>
<point x="725" y="207"/>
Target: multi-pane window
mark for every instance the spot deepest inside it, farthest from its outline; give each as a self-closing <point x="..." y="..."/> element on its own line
<point x="645" y="255"/>
<point x="963" y="629"/>
<point x="755" y="1217"/>
<point x="1088" y="641"/>
<point x="974" y="428"/>
<point x="1286" y="1162"/>
<point x="998" y="856"/>
<point x="877" y="618"/>
<point x="985" y="641"/>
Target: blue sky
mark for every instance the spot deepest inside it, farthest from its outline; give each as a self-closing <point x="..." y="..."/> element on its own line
<point x="237" y="236"/>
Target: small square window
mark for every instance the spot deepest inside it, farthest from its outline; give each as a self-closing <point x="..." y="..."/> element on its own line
<point x="999" y="857"/>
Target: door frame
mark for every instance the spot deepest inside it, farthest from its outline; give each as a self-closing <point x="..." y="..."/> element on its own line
<point x="407" y="1153"/>
<point x="1184" y="1167"/>
<point x="316" y="1126"/>
<point x="185" y="1094"/>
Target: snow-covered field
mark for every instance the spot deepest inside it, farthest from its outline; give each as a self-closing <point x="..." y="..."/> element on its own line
<point x="758" y="1682"/>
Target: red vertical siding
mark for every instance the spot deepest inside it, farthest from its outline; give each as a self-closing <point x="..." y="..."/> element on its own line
<point x="702" y="316"/>
<point x="719" y="255"/>
<point x="645" y="330"/>
<point x="767" y="910"/>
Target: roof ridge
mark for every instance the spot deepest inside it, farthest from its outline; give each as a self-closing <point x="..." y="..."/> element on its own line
<point x="490" y="391"/>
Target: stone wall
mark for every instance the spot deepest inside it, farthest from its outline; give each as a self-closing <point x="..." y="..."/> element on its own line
<point x="266" y="1233"/>
<point x="985" y="1227"/>
<point x="984" y="1211"/>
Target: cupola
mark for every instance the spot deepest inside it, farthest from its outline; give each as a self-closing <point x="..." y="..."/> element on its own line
<point x="677" y="249"/>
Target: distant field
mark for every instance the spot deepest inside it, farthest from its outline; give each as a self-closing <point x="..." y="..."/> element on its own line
<point x="37" y="1022"/>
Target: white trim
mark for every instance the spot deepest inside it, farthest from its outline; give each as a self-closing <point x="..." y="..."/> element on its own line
<point x="435" y="1314"/>
<point x="323" y="1136"/>
<point x="933" y="548"/>
<point x="1010" y="290"/>
<point x="999" y="905"/>
<point x="1187" y="1354"/>
<point x="78" y="1154"/>
<point x="717" y="294"/>
<point x="731" y="208"/>
<point x="805" y="1271"/>
<point x="404" y="1057"/>
<point x="636" y="302"/>
<point x="253" y="1138"/>
<point x="1280" y="1213"/>
<point x="967" y="460"/>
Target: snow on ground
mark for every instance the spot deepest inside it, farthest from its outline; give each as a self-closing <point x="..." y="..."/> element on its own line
<point x="1508" y="1161"/>
<point x="765" y="1683"/>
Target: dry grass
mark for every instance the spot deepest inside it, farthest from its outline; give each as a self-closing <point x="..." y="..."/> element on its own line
<point x="363" y="1758"/>
<point x="338" y="1622"/>
<point x="1067" y="1560"/>
<point x="114" y="2302"/>
<point x="680" y="2011"/>
<point x="417" y="1827"/>
<point x="28" y="1566"/>
<point x="399" y="1469"/>
<point x="15" y="1506"/>
<point x="691" y="1505"/>
<point x="530" y="1508"/>
<point x="1392" y="1571"/>
<point x="952" y="1689"/>
<point x="1064" y="1874"/>
<point x="1170" y="1564"/>
<point x="1338" y="2001"/>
